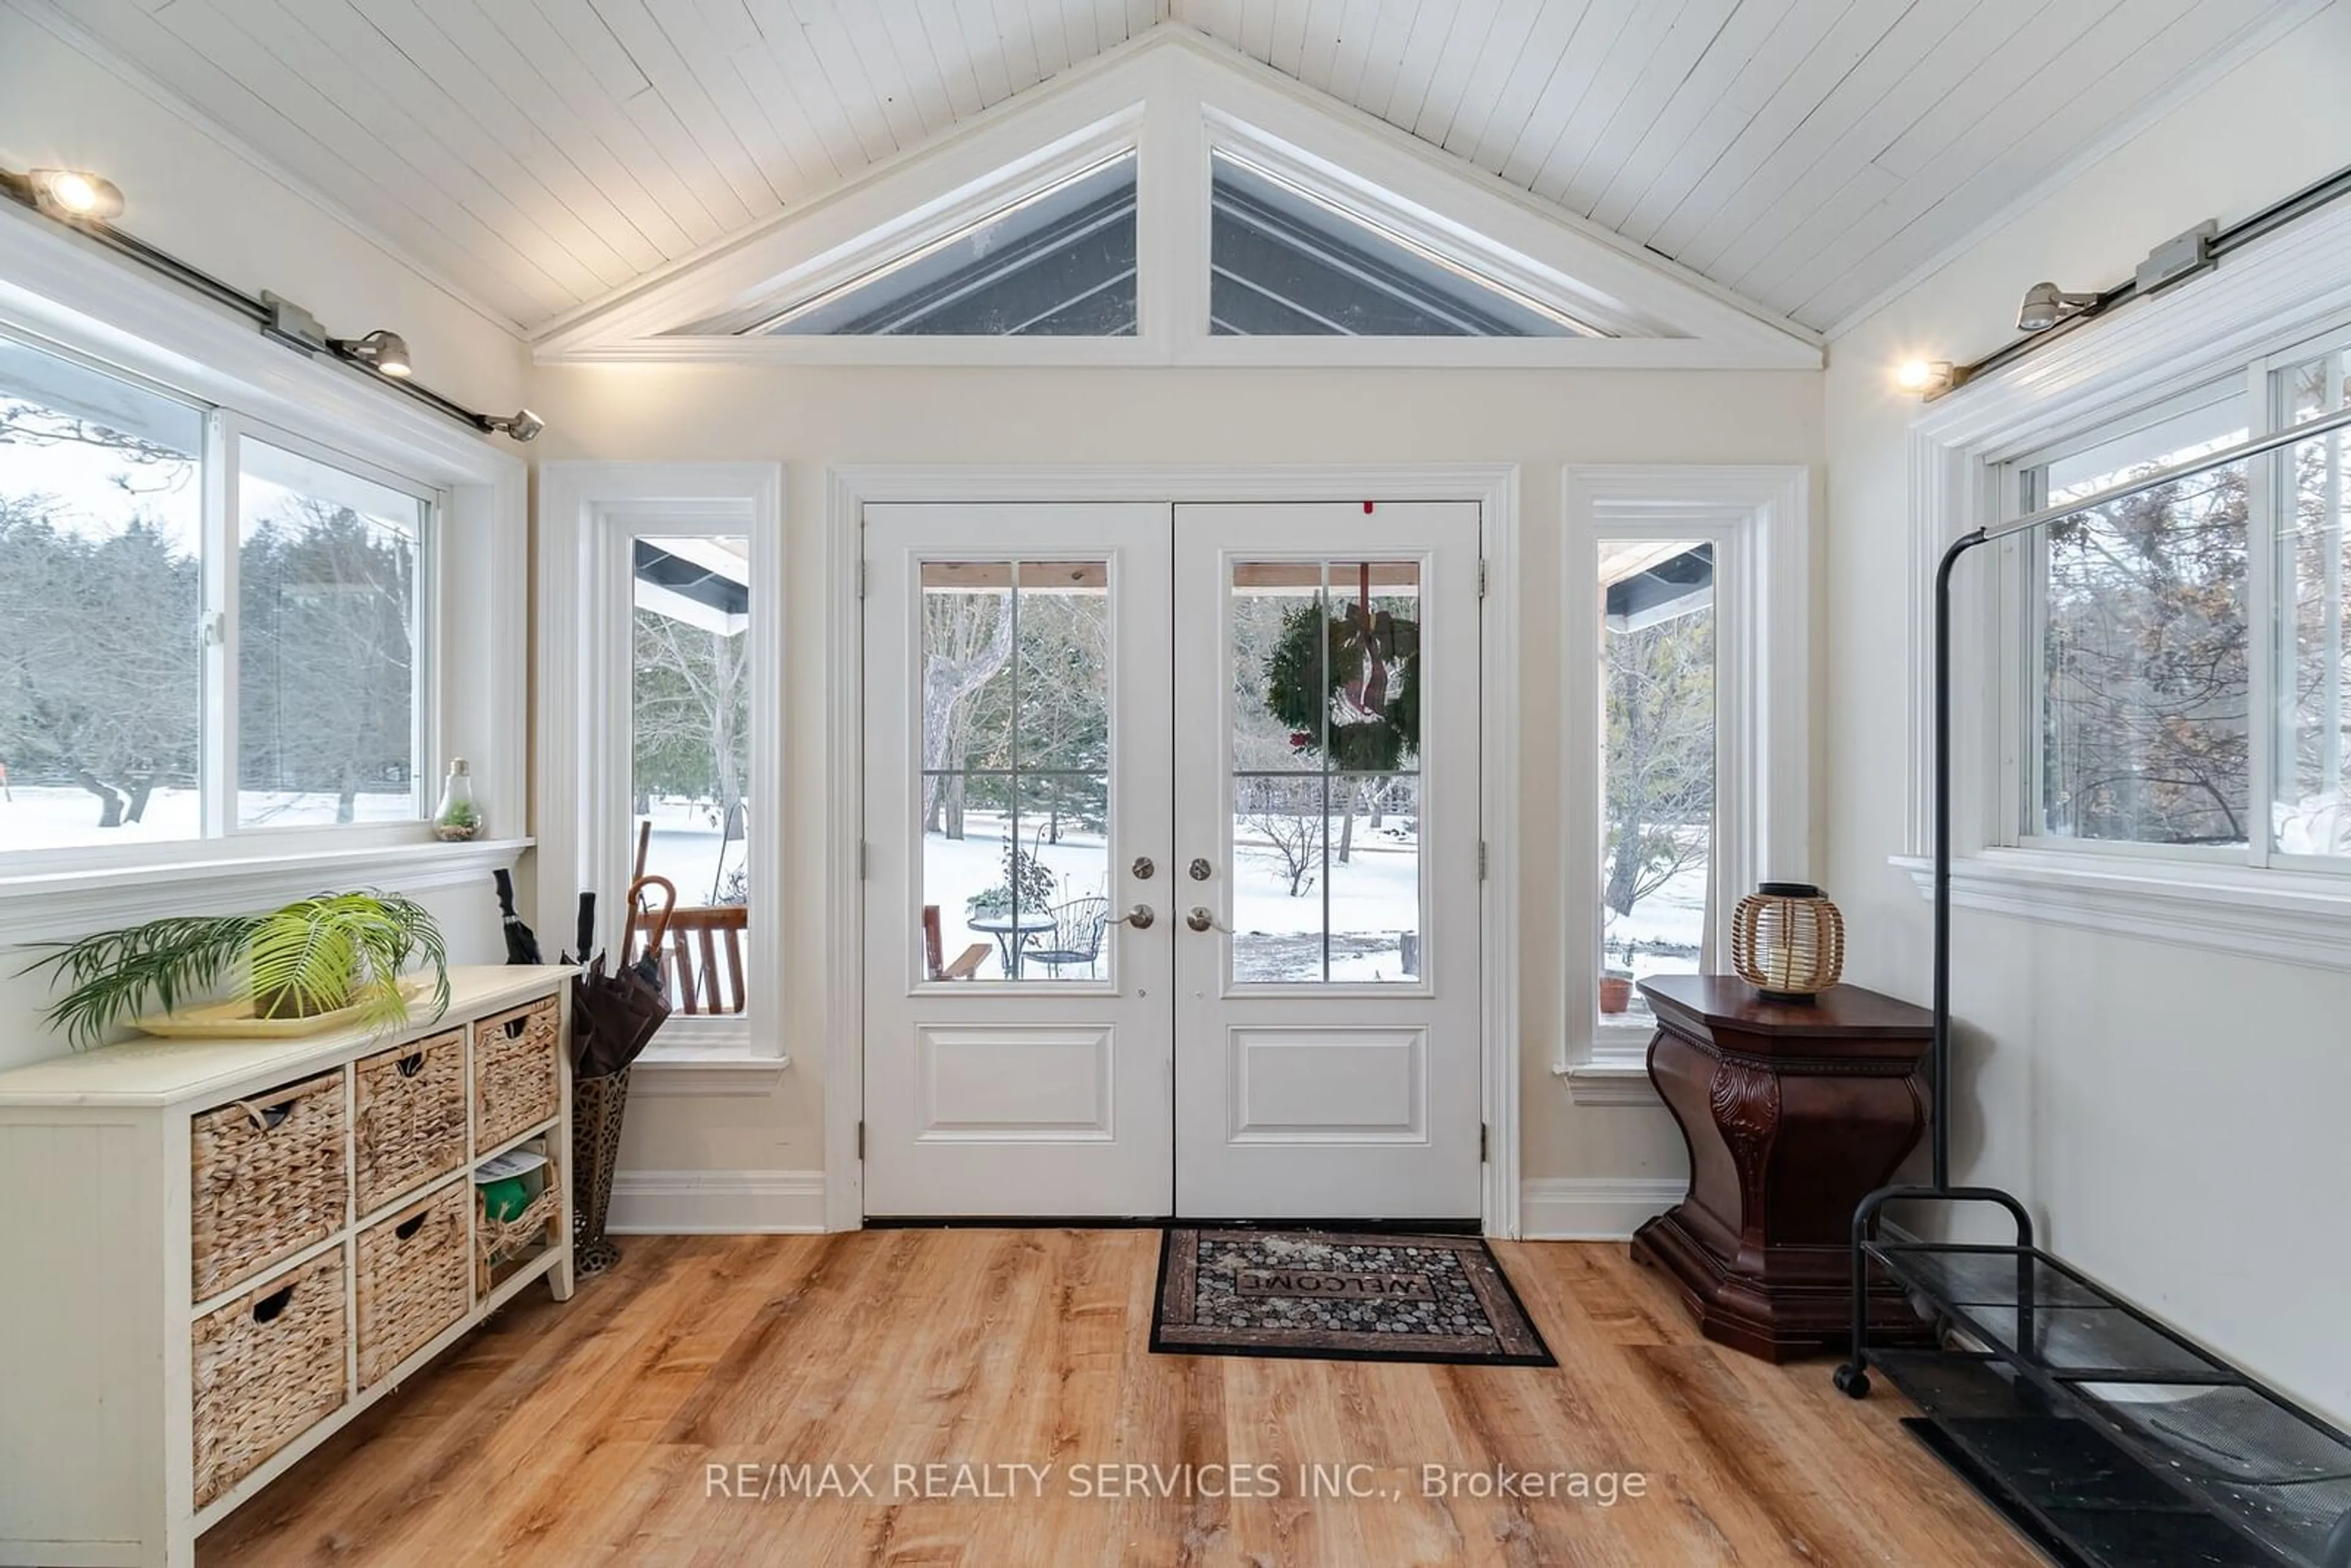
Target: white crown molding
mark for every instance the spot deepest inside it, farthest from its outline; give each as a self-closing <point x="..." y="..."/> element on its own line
<point x="1171" y="94"/>
<point x="1593" y="1208"/>
<point x="717" y="1202"/>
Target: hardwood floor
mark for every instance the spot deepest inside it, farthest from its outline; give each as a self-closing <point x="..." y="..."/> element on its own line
<point x="610" y="1431"/>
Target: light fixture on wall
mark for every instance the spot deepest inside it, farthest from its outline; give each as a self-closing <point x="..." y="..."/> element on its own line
<point x="385" y="353"/>
<point x="87" y="204"/>
<point x="2046" y="305"/>
<point x="522" y="424"/>
<point x="1924" y="377"/>
<point x="74" y="193"/>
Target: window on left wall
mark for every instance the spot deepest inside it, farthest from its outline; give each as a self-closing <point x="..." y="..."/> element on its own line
<point x="206" y="628"/>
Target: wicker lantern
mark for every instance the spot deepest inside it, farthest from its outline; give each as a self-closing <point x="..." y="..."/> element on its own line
<point x="1787" y="940"/>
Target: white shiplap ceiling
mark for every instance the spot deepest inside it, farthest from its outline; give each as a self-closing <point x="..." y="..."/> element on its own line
<point x="540" y="155"/>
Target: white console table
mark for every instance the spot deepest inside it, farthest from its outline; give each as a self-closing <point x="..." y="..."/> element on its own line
<point x="214" y="1255"/>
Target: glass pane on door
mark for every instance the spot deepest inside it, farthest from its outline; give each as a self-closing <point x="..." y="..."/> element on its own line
<point x="1325" y="772"/>
<point x="1016" y="770"/>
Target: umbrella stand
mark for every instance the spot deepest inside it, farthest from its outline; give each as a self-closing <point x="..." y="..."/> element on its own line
<point x="597" y="1106"/>
<point x="614" y="1015"/>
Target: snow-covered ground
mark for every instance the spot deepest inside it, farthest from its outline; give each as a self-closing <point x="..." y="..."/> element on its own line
<point x="686" y="847"/>
<point x="1664" y="930"/>
<point x="1374" y="898"/>
<point x="60" y="816"/>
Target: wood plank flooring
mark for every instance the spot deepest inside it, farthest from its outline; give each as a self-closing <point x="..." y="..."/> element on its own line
<point x="610" y="1431"/>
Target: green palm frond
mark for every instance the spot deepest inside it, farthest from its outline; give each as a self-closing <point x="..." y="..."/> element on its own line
<point x="312" y="956"/>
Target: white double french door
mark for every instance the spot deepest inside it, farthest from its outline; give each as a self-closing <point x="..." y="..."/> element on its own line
<point x="1170" y="855"/>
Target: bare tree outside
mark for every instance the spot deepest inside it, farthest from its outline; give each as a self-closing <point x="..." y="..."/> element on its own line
<point x="2146" y="667"/>
<point x="690" y="652"/>
<point x="967" y="643"/>
<point x="1659" y="748"/>
<point x="1286" y="815"/>
<point x="100" y="670"/>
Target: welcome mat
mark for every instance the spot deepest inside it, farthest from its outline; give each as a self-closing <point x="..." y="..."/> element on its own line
<point x="1338" y="1295"/>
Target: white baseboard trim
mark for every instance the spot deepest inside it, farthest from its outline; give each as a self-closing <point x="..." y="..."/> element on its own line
<point x="717" y="1202"/>
<point x="1592" y="1208"/>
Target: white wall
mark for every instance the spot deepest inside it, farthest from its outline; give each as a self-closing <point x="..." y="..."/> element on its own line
<point x="813" y="418"/>
<point x="2174" y="1117"/>
<point x="195" y="195"/>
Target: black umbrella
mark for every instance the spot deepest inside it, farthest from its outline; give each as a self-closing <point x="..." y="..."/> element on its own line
<point x="615" y="1016"/>
<point x="522" y="943"/>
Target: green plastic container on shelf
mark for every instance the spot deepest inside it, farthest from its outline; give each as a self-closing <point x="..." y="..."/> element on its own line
<point x="504" y="1199"/>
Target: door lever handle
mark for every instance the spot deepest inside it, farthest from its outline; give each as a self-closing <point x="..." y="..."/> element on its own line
<point x="1140" y="917"/>
<point x="1203" y="919"/>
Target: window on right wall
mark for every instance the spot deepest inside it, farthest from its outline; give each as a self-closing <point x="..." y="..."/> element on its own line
<point x="2180" y="675"/>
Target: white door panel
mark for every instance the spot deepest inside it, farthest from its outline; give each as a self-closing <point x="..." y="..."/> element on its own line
<point x="1039" y="1084"/>
<point x="1326" y="1056"/>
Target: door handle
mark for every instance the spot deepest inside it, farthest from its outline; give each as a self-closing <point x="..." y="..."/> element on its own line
<point x="1203" y="919"/>
<point x="1140" y="917"/>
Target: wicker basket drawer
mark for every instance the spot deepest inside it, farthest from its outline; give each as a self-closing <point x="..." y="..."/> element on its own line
<point x="269" y="1180"/>
<point x="513" y="1071"/>
<point x="503" y="1245"/>
<point x="413" y="1280"/>
<point x="409" y="1117"/>
<point x="268" y="1366"/>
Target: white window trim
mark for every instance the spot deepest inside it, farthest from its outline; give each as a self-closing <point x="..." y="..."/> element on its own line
<point x="52" y="287"/>
<point x="2280" y="293"/>
<point x="1758" y="519"/>
<point x="588" y="513"/>
<point x="1172" y="96"/>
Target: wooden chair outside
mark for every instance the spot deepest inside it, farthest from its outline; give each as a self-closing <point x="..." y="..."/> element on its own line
<point x="699" y="948"/>
<point x="968" y="962"/>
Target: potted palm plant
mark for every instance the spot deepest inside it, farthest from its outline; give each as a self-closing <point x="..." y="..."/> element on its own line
<point x="339" y="958"/>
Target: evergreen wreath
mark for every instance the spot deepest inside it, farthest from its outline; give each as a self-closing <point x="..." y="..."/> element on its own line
<point x="1367" y="668"/>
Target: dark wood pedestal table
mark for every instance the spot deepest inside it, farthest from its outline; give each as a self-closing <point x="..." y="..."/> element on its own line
<point x="1792" y="1112"/>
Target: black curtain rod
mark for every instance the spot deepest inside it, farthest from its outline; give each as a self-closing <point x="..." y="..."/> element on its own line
<point x="20" y="189"/>
<point x="2236" y="236"/>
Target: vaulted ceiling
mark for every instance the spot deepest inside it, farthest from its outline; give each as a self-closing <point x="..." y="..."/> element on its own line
<point x="540" y="154"/>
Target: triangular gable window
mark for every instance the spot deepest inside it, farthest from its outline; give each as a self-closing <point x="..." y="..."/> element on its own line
<point x="1280" y="232"/>
<point x="1057" y="263"/>
<point x="1288" y="262"/>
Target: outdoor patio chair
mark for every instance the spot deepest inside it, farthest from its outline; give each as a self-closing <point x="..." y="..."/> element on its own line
<point x="1076" y="937"/>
